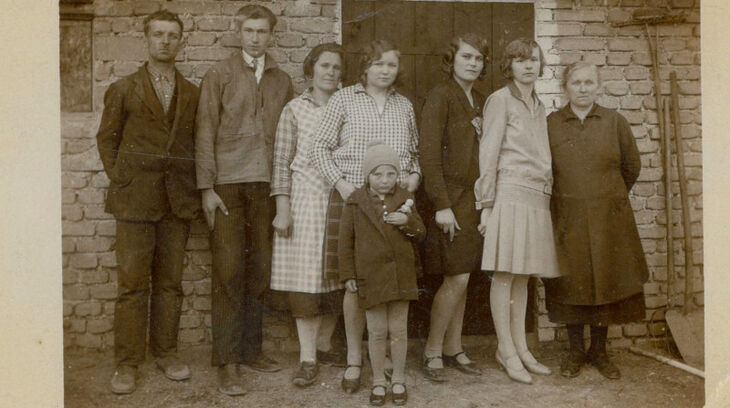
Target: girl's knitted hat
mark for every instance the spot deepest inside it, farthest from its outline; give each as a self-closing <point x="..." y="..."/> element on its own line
<point x="378" y="153"/>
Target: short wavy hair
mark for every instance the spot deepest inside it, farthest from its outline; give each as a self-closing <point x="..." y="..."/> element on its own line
<point x="162" y="15"/>
<point x="313" y="57"/>
<point x="479" y="43"/>
<point x="372" y="52"/>
<point x="520" y="48"/>
<point x="255" y="11"/>
<point x="570" y="69"/>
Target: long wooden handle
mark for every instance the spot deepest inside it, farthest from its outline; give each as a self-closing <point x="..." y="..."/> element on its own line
<point x="667" y="162"/>
<point x="688" y="263"/>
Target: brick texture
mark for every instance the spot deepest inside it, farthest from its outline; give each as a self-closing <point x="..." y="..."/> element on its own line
<point x="568" y="30"/>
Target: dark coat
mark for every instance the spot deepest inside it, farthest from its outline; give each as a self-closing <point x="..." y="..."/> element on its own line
<point x="449" y="157"/>
<point x="380" y="256"/>
<point x="595" y="164"/>
<point x="149" y="158"/>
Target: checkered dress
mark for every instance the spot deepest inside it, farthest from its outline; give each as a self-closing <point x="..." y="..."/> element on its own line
<point x="297" y="260"/>
<point x="351" y="120"/>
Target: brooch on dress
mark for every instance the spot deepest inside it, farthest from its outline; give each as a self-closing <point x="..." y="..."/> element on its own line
<point x="477" y="123"/>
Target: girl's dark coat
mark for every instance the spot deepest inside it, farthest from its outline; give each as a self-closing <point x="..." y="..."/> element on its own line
<point x="379" y="256"/>
<point x="595" y="164"/>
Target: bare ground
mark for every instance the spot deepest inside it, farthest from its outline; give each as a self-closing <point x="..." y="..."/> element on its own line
<point x="645" y="383"/>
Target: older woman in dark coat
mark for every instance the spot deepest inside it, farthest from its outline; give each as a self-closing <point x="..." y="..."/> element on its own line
<point x="595" y="164"/>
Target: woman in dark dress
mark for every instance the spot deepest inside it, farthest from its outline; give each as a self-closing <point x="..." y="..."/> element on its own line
<point x="595" y="163"/>
<point x="451" y="118"/>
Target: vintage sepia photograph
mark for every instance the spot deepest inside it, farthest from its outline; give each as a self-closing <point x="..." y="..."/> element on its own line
<point x="348" y="203"/>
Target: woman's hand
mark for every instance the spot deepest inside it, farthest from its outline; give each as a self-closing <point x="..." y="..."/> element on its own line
<point x="282" y="223"/>
<point x="351" y="285"/>
<point x="396" y="218"/>
<point x="486" y="212"/>
<point x="411" y="182"/>
<point x="345" y="188"/>
<point x="446" y="220"/>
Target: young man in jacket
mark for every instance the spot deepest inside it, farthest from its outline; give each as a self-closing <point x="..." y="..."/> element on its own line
<point x="146" y="141"/>
<point x="240" y="103"/>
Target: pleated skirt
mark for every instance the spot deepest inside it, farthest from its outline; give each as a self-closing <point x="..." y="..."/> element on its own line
<point x="519" y="237"/>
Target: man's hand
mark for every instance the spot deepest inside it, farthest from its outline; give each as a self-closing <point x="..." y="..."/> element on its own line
<point x="411" y="182"/>
<point x="486" y="212"/>
<point x="447" y="222"/>
<point x="351" y="285"/>
<point x="212" y="202"/>
<point x="345" y="188"/>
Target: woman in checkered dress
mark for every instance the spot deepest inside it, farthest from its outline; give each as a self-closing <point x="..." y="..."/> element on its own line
<point x="301" y="206"/>
<point x="368" y="110"/>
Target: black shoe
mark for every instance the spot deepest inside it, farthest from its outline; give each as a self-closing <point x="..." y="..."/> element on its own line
<point x="306" y="374"/>
<point x="572" y="363"/>
<point x="433" y="374"/>
<point x="229" y="381"/>
<point x="604" y="365"/>
<point x="351" y="386"/>
<point x="375" y="399"/>
<point x="468" y="369"/>
<point x="399" y="398"/>
<point x="264" y="364"/>
<point x="332" y="358"/>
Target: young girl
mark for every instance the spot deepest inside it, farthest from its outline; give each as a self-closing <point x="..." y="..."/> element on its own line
<point x="377" y="261"/>
<point x="513" y="191"/>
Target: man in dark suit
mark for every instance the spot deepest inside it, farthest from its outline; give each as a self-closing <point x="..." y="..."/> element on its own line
<point x="146" y="143"/>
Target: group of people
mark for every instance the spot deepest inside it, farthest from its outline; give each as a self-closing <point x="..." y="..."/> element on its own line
<point x="313" y="196"/>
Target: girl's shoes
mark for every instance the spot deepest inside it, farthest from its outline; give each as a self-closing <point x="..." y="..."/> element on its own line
<point x="433" y="374"/>
<point x="377" y="400"/>
<point x="468" y="369"/>
<point x="399" y="398"/>
<point x="351" y="386"/>
<point x="306" y="374"/>
<point x="514" y="368"/>
<point x="532" y="365"/>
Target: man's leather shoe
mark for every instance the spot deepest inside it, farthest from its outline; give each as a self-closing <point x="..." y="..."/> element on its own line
<point x="229" y="380"/>
<point x="264" y="364"/>
<point x="123" y="380"/>
<point x="604" y="366"/>
<point x="332" y="358"/>
<point x="173" y="368"/>
<point x="572" y="363"/>
<point x="306" y="374"/>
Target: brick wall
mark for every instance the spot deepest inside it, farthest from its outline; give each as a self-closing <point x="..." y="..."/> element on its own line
<point x="565" y="29"/>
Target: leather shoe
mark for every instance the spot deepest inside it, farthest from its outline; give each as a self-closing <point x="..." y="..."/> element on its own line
<point x="306" y="374"/>
<point x="229" y="381"/>
<point x="433" y="374"/>
<point x="572" y="363"/>
<point x="376" y="399"/>
<point x="514" y="368"/>
<point x="264" y="364"/>
<point x="332" y="358"/>
<point x="351" y="386"/>
<point x="173" y="368"/>
<point x="468" y="369"/>
<point x="123" y="380"/>
<point x="532" y="365"/>
<point x="399" y="398"/>
<point x="604" y="366"/>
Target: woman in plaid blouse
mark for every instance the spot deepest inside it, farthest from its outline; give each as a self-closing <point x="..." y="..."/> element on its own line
<point x="368" y="110"/>
<point x="301" y="206"/>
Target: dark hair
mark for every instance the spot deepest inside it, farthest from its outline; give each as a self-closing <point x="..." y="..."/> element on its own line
<point x="478" y="42"/>
<point x="162" y="15"/>
<point x="570" y="69"/>
<point x="373" y="52"/>
<point x="255" y="11"/>
<point x="520" y="48"/>
<point x="313" y="57"/>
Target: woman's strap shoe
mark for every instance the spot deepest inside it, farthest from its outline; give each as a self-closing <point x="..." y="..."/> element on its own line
<point x="433" y="374"/>
<point x="469" y="369"/>
<point x="378" y="400"/>
<point x="351" y="386"/>
<point x="399" y="398"/>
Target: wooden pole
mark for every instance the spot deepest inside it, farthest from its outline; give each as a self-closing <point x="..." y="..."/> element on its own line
<point x="667" y="145"/>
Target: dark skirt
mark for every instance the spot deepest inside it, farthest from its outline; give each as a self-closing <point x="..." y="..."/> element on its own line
<point x="464" y="253"/>
<point x="626" y="310"/>
<point x="315" y="304"/>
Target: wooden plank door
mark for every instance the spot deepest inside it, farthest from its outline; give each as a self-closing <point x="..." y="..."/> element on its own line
<point x="421" y="30"/>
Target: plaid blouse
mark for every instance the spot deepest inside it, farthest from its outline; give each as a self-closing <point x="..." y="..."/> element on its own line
<point x="351" y="120"/>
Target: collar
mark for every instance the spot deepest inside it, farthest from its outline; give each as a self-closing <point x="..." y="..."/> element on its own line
<point x="155" y="73"/>
<point x="517" y="94"/>
<point x="373" y="194"/>
<point x="360" y="88"/>
<point x="249" y="59"/>
<point x="567" y="112"/>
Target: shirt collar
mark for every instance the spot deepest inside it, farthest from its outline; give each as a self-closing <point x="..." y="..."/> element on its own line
<point x="248" y="59"/>
<point x="569" y="114"/>
<point x="159" y="74"/>
<point x="360" y="88"/>
<point x="517" y="94"/>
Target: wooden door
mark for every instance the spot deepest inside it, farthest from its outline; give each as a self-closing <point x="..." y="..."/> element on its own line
<point x="421" y="30"/>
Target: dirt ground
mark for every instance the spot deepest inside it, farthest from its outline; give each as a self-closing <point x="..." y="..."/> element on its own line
<point x="645" y="383"/>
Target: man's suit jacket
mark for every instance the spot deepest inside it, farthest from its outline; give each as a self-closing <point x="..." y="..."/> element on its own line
<point x="149" y="158"/>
